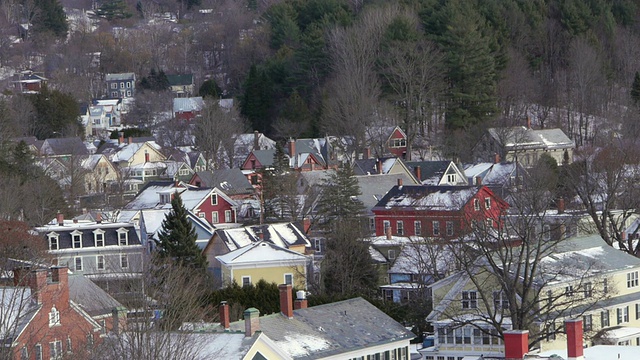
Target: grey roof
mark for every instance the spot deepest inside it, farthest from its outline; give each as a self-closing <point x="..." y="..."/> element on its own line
<point x="64" y="146"/>
<point x="231" y="181"/>
<point x="442" y="198"/>
<point x="120" y="76"/>
<point x="188" y="104"/>
<point x="521" y="137"/>
<point x="370" y="166"/>
<point x="110" y="235"/>
<point x="90" y="297"/>
<point x="430" y="169"/>
<point x="265" y="157"/>
<point x="375" y="187"/>
<point x="180" y="79"/>
<point x="331" y="329"/>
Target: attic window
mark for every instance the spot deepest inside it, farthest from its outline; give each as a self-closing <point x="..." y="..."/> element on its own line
<point x="98" y="237"/>
<point x="123" y="237"/>
<point x="402" y="142"/>
<point x="452" y="178"/>
<point x="53" y="241"/>
<point x="76" y="237"/>
<point x="165" y="198"/>
<point x="214" y="199"/>
<point x="54" y="317"/>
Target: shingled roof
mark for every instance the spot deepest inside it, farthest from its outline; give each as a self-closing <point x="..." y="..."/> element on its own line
<point x="418" y="197"/>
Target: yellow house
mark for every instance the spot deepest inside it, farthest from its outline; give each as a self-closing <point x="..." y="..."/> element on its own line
<point x="264" y="261"/>
<point x="100" y="172"/>
<point x="584" y="278"/>
<point x="133" y="154"/>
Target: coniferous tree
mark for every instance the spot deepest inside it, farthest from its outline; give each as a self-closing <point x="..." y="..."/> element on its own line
<point x="635" y="89"/>
<point x="49" y="17"/>
<point x="338" y="199"/>
<point x="178" y="238"/>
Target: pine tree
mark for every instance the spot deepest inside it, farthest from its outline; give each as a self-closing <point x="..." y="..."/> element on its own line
<point x="338" y="199"/>
<point x="635" y="89"/>
<point x="178" y="238"/>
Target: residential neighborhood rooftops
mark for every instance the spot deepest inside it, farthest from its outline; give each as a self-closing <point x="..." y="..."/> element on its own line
<point x="520" y="137"/>
<point x="64" y="146"/>
<point x="120" y="76"/>
<point x="448" y="198"/>
<point x="282" y="234"/>
<point x="258" y="252"/>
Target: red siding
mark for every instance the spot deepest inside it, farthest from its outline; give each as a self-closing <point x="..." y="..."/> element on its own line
<point x="220" y="207"/>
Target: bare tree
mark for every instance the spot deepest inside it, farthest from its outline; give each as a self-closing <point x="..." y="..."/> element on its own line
<point x="215" y="134"/>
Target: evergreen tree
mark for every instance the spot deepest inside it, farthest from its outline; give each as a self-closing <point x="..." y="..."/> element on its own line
<point x="255" y="103"/>
<point x="116" y="10"/>
<point x="210" y="88"/>
<point x="49" y="17"/>
<point x="178" y="238"/>
<point x="156" y="81"/>
<point x="339" y="197"/>
<point x="56" y="112"/>
<point x="635" y="89"/>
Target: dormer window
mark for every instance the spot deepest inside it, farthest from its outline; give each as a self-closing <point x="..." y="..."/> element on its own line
<point x="123" y="237"/>
<point x="98" y="237"/>
<point x="452" y="178"/>
<point x="76" y="239"/>
<point x="214" y="199"/>
<point x="53" y="241"/>
<point x="165" y="198"/>
<point x="54" y="317"/>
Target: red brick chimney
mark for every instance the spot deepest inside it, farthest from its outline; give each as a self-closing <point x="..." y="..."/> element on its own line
<point x="478" y="180"/>
<point x="366" y="153"/>
<point x="418" y="172"/>
<point x="146" y="157"/>
<point x="120" y="137"/>
<point x="292" y="148"/>
<point x="224" y="315"/>
<point x="496" y="159"/>
<point x="516" y="344"/>
<point x="379" y="166"/>
<point x="251" y="321"/>
<point x="286" y="300"/>
<point x="306" y="225"/>
<point x="60" y="218"/>
<point x="573" y="328"/>
<point x="399" y="182"/>
<point x="301" y="300"/>
<point x="560" y="205"/>
<point x="99" y="218"/>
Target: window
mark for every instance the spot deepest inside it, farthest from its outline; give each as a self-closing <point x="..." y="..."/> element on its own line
<point x="128" y="84"/>
<point x="449" y="228"/>
<point x="55" y="349"/>
<point x="201" y="215"/>
<point x="452" y="178"/>
<point x="103" y="326"/>
<point x="288" y="279"/>
<point x="214" y="199"/>
<point x="124" y="261"/>
<point x="623" y="315"/>
<point x="546" y="232"/>
<point x="123" y="237"/>
<point x="632" y="279"/>
<point x="604" y="319"/>
<point x="78" y="263"/>
<point x="386" y="224"/>
<point x="129" y="93"/>
<point x="588" y="290"/>
<point x="568" y="291"/>
<point x="391" y="254"/>
<point x="319" y="244"/>
<point x="38" y="352"/>
<point x="637" y="311"/>
<point x="417" y="227"/>
<point x="487" y="203"/>
<point x="469" y="300"/>
<point x="400" y="227"/>
<point x="98" y="238"/>
<point x="54" y="317"/>
<point x="114" y="93"/>
<point x="53" y="241"/>
<point x="246" y="281"/>
<point x="24" y="353"/>
<point x="165" y="198"/>
<point x="586" y="323"/>
<point x="551" y="332"/>
<point x="227" y="216"/>
<point x="121" y="85"/>
<point x="76" y="238"/>
<point x="114" y="85"/>
<point x="214" y="217"/>
<point x="476" y="204"/>
<point x="436" y="228"/>
<point x="254" y="179"/>
<point x="499" y="300"/>
<point x="100" y="262"/>
<point x="372" y="224"/>
<point x="398" y="142"/>
<point x="90" y="340"/>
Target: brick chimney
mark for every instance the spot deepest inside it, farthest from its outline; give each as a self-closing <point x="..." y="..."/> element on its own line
<point x="301" y="300"/>
<point x="60" y="218"/>
<point x="99" y="218"/>
<point x="573" y="328"/>
<point x="146" y="157"/>
<point x="120" y="137"/>
<point x="286" y="300"/>
<point x="292" y="148"/>
<point x="516" y="344"/>
<point x="418" y="173"/>
<point x="379" y="165"/>
<point x="366" y="153"/>
<point x="224" y="315"/>
<point x="256" y="140"/>
<point x="560" y="205"/>
<point x="496" y="158"/>
<point x="251" y="321"/>
<point x="399" y="182"/>
<point x="478" y="180"/>
<point x="306" y="225"/>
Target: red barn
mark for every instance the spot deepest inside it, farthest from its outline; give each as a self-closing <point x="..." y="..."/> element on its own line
<point x="436" y="211"/>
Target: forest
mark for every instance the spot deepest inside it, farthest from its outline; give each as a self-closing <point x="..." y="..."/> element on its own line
<point x="442" y="70"/>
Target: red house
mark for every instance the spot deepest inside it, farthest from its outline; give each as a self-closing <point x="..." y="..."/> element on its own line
<point x="445" y="212"/>
<point x="397" y="143"/>
<point x="216" y="207"/>
<point x="48" y="325"/>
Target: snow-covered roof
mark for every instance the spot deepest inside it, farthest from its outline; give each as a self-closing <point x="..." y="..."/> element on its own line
<point x="520" y="137"/>
<point x="261" y="252"/>
<point x="188" y="104"/>
<point x="443" y="198"/>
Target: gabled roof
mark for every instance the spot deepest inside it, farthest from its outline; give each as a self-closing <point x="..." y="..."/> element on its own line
<point x="87" y="231"/>
<point x="90" y="297"/>
<point x="283" y="235"/>
<point x="91" y="161"/>
<point x="331" y="329"/>
<point x="231" y="181"/>
<point x="120" y="76"/>
<point x="374" y="187"/>
<point x="180" y="79"/>
<point x="418" y="197"/>
<point x="434" y="172"/>
<point x="125" y="152"/>
<point x="260" y="252"/>
<point x="188" y="104"/>
<point x="265" y="157"/>
<point x="18" y="311"/>
<point x="64" y="146"/>
<point x="491" y="173"/>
